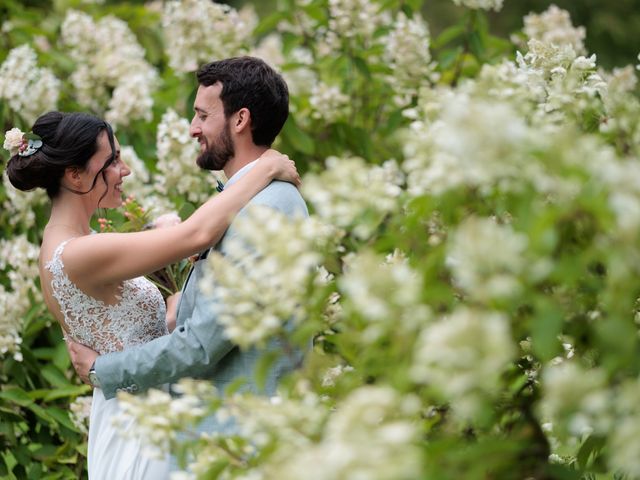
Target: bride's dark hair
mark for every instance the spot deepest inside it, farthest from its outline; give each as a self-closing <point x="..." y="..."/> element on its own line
<point x="68" y="140"/>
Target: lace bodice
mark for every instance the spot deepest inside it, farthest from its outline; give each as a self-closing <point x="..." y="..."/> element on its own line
<point x="138" y="317"/>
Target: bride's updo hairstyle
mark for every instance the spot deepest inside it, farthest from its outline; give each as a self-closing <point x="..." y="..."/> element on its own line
<point x="68" y="140"/>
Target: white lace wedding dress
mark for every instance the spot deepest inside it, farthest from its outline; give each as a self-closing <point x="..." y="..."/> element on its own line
<point x="138" y="317"/>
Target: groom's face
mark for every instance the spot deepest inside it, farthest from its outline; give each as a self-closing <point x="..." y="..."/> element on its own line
<point x="211" y="128"/>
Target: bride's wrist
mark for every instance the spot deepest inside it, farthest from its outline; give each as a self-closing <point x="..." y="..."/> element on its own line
<point x="270" y="167"/>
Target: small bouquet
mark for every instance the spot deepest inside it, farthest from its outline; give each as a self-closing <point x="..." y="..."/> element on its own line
<point x="169" y="279"/>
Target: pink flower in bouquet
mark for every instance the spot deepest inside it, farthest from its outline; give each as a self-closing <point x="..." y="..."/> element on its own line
<point x="167" y="220"/>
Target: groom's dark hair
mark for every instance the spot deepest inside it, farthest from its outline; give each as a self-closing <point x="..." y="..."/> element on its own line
<point x="248" y="82"/>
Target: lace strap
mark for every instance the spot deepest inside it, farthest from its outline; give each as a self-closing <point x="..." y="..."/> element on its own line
<point x="55" y="265"/>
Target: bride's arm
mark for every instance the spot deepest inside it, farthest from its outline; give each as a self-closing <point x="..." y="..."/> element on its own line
<point x="113" y="257"/>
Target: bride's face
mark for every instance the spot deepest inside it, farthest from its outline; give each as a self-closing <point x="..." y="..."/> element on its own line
<point x="107" y="192"/>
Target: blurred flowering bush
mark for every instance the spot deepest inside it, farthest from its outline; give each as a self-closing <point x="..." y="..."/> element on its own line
<point x="468" y="277"/>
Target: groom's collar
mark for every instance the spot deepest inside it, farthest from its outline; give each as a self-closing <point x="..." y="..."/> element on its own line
<point x="236" y="176"/>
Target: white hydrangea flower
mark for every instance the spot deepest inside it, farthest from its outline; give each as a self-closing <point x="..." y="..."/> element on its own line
<point x="481" y="4"/>
<point x="372" y="434"/>
<point x="554" y="26"/>
<point x="407" y="53"/>
<point x="617" y="176"/>
<point x="140" y="176"/>
<point x="462" y="356"/>
<point x="353" y="20"/>
<point x="20" y="258"/>
<point x="353" y="195"/>
<point x="199" y="31"/>
<point x="262" y="279"/>
<point x="328" y="103"/>
<point x="621" y="80"/>
<point x="624" y="439"/>
<point x="178" y="175"/>
<point x="289" y="423"/>
<point x="156" y="418"/>
<point x="476" y="143"/>
<point x="299" y="75"/>
<point x="575" y="400"/>
<point x="109" y="58"/>
<point x="270" y="49"/>
<point x="333" y="373"/>
<point x="386" y="294"/>
<point x="21" y="205"/>
<point x="486" y="258"/>
<point x="10" y="322"/>
<point x="81" y="411"/>
<point x="28" y="89"/>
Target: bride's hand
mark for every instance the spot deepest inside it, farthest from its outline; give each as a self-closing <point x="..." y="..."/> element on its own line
<point x="172" y="310"/>
<point x="282" y="168"/>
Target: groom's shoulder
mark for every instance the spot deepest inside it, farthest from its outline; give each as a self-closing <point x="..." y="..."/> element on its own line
<point x="282" y="196"/>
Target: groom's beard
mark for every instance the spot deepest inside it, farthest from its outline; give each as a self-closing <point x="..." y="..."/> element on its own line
<point x="216" y="155"/>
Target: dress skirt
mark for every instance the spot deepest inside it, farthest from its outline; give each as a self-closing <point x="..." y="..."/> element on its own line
<point x="114" y="457"/>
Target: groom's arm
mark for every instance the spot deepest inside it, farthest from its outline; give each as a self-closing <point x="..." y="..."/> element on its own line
<point x="189" y="351"/>
<point x="192" y="349"/>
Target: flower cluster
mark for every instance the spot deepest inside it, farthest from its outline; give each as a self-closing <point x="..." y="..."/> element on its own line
<point x="461" y="356"/>
<point x="156" y="418"/>
<point x="19" y="261"/>
<point x="407" y="52"/>
<point x="262" y="279"/>
<point x="371" y="434"/>
<point x="576" y="400"/>
<point x="328" y="103"/>
<point x="474" y="143"/>
<point x="481" y="4"/>
<point x="353" y="195"/>
<point x="81" y="412"/>
<point x="486" y="258"/>
<point x="385" y="296"/>
<point x="554" y="26"/>
<point x="178" y="174"/>
<point x="112" y="73"/>
<point x="624" y="437"/>
<point x="21" y="206"/>
<point x="351" y="20"/>
<point x="198" y="31"/>
<point x="28" y="89"/>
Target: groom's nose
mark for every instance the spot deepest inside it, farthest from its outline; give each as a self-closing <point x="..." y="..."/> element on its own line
<point x="194" y="129"/>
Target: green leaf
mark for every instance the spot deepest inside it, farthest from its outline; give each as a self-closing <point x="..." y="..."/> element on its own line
<point x="186" y="210"/>
<point x="263" y="365"/>
<point x="70" y="392"/>
<point x="362" y="67"/>
<point x="62" y="416"/>
<point x="54" y="376"/>
<point x="297" y="138"/>
<point x="476" y="45"/>
<point x="546" y="325"/>
<point x="448" y="35"/>
<point x="591" y="446"/>
<point x="16" y="395"/>
<point x="269" y="23"/>
<point x="416" y="5"/>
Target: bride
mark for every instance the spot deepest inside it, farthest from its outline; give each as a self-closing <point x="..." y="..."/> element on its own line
<point x="93" y="284"/>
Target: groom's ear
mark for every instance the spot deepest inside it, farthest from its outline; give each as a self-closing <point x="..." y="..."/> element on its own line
<point x="242" y="120"/>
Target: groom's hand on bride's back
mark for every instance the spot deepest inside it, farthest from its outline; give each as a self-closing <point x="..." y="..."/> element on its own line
<point x="82" y="359"/>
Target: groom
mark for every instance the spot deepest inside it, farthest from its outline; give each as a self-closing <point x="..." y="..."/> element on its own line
<point x="240" y="107"/>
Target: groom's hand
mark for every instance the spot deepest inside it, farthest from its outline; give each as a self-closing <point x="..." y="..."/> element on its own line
<point x="82" y="358"/>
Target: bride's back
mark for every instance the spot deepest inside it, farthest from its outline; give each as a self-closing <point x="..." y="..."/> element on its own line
<point x="117" y="317"/>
